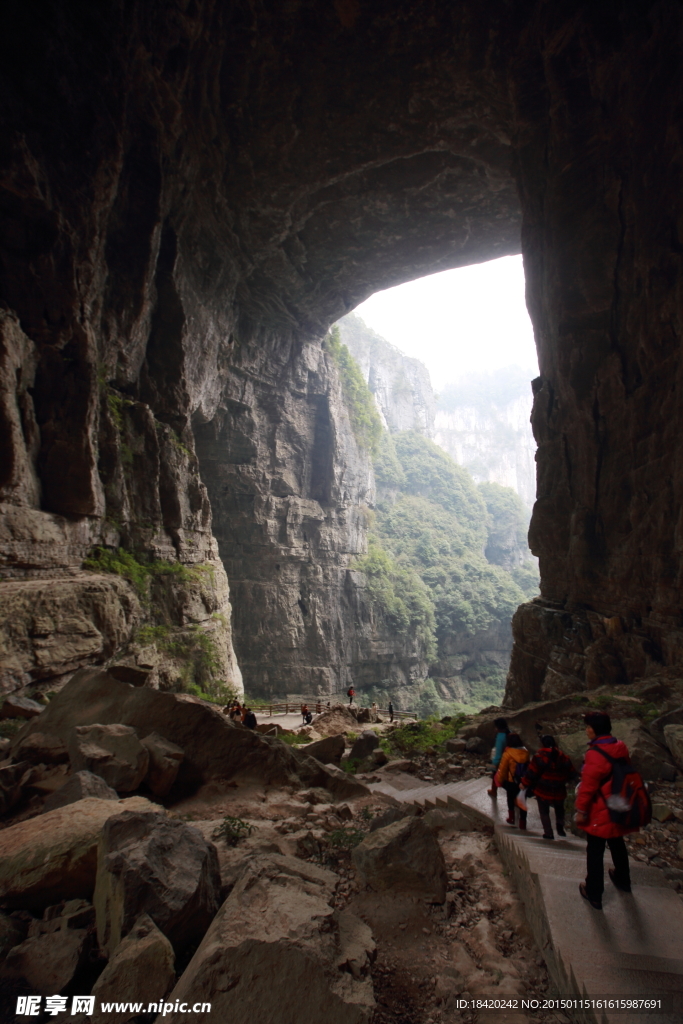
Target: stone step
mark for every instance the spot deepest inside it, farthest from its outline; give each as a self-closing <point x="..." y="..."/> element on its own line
<point x="634" y="946"/>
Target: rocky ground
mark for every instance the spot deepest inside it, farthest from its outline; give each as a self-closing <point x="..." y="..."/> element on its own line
<point x="276" y="850"/>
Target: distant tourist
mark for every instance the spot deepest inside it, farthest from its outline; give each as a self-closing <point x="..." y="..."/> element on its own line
<point x="250" y="719"/>
<point x="546" y="777"/>
<point x="502" y="733"/>
<point x="350" y="693"/>
<point x="391" y="712"/>
<point x="304" y="712"/>
<point x="607" y="816"/>
<point x="509" y="775"/>
<point x="374" y="710"/>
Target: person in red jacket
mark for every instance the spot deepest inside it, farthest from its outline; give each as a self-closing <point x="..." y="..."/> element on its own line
<point x="592" y="814"/>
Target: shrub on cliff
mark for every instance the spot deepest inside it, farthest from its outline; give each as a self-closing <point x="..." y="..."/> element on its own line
<point x="365" y="421"/>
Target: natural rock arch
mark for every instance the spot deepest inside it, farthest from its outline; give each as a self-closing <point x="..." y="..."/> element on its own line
<point x="192" y="192"/>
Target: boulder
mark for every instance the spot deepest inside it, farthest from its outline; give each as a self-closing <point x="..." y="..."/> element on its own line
<point x="662" y="812"/>
<point x="79" y="787"/>
<point x="657" y="725"/>
<point x="14" y="706"/>
<point x="456" y="746"/>
<point x="339" y="783"/>
<point x="277" y="951"/>
<point x="647" y="756"/>
<point x="113" y="752"/>
<point x="391" y="815"/>
<point x="335" y="721"/>
<point x="56" y="949"/>
<point x="403" y="857"/>
<point x="48" y="963"/>
<point x="364" y="745"/>
<point x="379" y="758"/>
<point x="329" y="750"/>
<point x="477" y="745"/>
<point x="141" y="969"/>
<point x="148" y="863"/>
<point x="441" y="820"/>
<point x="165" y="759"/>
<point x="364" y="715"/>
<point x="41" y="748"/>
<point x="12" y="933"/>
<point x="529" y="722"/>
<point x="214" y="746"/>
<point x="12" y="778"/>
<point x="54" y="856"/>
<point x="673" y="737"/>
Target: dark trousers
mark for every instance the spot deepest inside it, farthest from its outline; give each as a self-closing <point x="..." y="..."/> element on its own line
<point x="544" y="813"/>
<point x="512" y="790"/>
<point x="595" y="851"/>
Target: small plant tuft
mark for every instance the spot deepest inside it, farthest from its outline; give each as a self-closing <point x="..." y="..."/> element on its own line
<point x="232" y="830"/>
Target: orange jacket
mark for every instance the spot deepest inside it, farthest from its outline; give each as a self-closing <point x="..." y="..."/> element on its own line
<point x="512" y="756"/>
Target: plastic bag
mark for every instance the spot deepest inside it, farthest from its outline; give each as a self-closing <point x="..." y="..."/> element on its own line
<point x="521" y="800"/>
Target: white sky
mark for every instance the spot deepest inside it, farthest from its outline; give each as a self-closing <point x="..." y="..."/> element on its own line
<point x="459" y="321"/>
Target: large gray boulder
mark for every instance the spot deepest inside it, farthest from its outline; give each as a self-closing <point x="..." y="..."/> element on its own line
<point x="657" y="725"/>
<point x="140" y="970"/>
<point x="78" y="787"/>
<point x="54" y="951"/>
<point x="113" y="752"/>
<point x="54" y="856"/>
<point x="278" y="951"/>
<point x="329" y="750"/>
<point x="15" y="706"/>
<point x="673" y="737"/>
<point x="42" y="748"/>
<point x="364" y="745"/>
<point x="403" y="857"/>
<point x="214" y="747"/>
<point x="647" y="756"/>
<point x="165" y="759"/>
<point x="150" y="864"/>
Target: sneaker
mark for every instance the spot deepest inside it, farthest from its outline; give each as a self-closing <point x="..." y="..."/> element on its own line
<point x="551" y="836"/>
<point x="595" y="904"/>
<point x="621" y="888"/>
<point x="510" y="821"/>
<point x="522" y="825"/>
<point x="561" y="831"/>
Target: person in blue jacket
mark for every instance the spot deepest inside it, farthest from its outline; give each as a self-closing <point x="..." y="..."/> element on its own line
<point x="501" y="739"/>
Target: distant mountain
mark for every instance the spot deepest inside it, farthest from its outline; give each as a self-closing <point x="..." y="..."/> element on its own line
<point x="401" y="385"/>
<point x="483" y="423"/>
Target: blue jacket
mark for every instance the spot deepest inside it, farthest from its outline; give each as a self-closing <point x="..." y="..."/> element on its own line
<point x="501" y="740"/>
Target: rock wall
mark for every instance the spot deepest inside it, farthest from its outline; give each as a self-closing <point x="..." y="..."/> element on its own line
<point x="183" y="184"/>
<point x="401" y="385"/>
<point x="491" y="436"/>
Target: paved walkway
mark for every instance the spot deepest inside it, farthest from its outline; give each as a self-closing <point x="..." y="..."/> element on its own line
<point x="633" y="947"/>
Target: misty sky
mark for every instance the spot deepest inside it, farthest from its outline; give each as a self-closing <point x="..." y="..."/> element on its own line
<point x="459" y="321"/>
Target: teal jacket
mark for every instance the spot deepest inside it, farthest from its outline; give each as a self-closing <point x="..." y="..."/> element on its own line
<point x="501" y="740"/>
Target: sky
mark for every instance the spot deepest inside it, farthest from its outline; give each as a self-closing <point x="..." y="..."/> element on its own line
<point x="458" y="321"/>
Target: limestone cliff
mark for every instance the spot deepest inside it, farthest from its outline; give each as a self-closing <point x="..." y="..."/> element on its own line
<point x="401" y="385"/>
<point x="183" y="186"/>
<point x="483" y="422"/>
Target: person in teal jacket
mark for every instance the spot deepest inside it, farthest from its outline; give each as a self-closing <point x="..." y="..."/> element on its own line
<point x="501" y="739"/>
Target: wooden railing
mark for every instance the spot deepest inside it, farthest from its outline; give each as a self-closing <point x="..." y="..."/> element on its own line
<point x="316" y="707"/>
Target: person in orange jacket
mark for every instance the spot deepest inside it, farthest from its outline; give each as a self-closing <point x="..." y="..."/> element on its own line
<point x="592" y="813"/>
<point x="509" y="775"/>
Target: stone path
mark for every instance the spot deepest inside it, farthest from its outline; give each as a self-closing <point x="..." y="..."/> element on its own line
<point x="634" y="947"/>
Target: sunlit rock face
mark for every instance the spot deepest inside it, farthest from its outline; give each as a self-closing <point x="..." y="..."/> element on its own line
<point x="192" y="193"/>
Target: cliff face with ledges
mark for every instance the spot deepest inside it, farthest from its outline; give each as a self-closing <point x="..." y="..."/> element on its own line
<point x="183" y="184"/>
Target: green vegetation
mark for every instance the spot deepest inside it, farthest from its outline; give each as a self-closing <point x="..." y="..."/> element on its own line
<point x="232" y="830"/>
<point x="365" y="421"/>
<point x="295" y="739"/>
<point x="345" y="838"/>
<point x="418" y="736"/>
<point x="124" y="563"/>
<point x="10" y="726"/>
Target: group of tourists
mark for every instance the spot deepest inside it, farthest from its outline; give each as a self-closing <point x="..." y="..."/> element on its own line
<point x="374" y="710"/>
<point x="611" y="799"/>
<point x="237" y="712"/>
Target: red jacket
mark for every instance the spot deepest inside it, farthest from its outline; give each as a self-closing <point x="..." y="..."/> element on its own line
<point x="596" y="786"/>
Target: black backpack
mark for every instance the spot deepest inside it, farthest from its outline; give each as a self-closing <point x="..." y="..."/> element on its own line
<point x="629" y="802"/>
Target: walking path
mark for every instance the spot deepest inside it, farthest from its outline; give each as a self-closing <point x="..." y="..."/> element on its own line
<point x="632" y="948"/>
